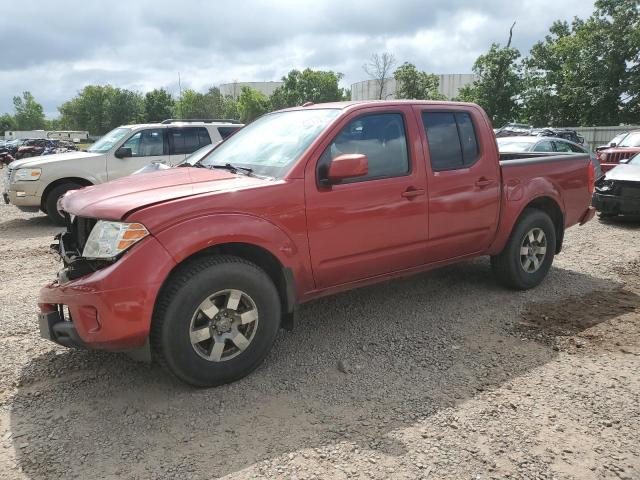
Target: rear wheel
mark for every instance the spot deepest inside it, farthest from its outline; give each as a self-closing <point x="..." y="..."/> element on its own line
<point x="51" y="202"/>
<point x="528" y="255"/>
<point x="216" y="321"/>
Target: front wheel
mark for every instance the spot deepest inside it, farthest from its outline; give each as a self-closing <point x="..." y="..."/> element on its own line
<point x="528" y="255"/>
<point x="216" y="320"/>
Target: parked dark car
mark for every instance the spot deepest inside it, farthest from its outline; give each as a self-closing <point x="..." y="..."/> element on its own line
<point x="43" y="146"/>
<point x="618" y="191"/>
<point x="543" y="145"/>
<point x="12" y="146"/>
<point x="519" y="129"/>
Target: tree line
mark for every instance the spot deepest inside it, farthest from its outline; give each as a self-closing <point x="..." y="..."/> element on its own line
<point x="586" y="72"/>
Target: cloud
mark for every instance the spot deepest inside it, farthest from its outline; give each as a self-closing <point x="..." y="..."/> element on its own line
<point x="56" y="48"/>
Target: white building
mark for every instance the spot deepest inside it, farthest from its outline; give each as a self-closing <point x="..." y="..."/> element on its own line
<point x="450" y="85"/>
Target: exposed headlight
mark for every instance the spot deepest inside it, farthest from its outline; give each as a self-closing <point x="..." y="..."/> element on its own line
<point x="27" y="174"/>
<point x="109" y="239"/>
<point x="605" y="186"/>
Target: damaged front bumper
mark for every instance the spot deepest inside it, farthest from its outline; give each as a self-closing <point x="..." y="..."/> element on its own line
<point x="616" y="204"/>
<point x="103" y="304"/>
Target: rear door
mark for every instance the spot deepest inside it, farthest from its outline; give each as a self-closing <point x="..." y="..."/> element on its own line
<point x="183" y="141"/>
<point x="463" y="181"/>
<point x="374" y="224"/>
<point x="147" y="146"/>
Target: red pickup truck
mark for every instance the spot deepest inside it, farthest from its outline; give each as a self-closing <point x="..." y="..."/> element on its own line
<point x="200" y="266"/>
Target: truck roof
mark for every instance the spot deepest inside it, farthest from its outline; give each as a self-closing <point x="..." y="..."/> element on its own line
<point x="356" y="103"/>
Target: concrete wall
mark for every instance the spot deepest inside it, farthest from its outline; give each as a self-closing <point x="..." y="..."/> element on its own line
<point x="450" y="85"/>
<point x="233" y="89"/>
<point x="596" y="136"/>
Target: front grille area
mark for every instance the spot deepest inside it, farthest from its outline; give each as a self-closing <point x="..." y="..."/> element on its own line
<point x="631" y="190"/>
<point x="78" y="229"/>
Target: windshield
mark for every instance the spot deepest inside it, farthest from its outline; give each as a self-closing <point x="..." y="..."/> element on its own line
<point x="631" y="140"/>
<point x="199" y="154"/>
<point x="506" y="145"/>
<point x="635" y="160"/>
<point x="272" y="144"/>
<point x="104" y="144"/>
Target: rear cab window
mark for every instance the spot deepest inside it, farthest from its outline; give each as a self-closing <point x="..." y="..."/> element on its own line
<point x="452" y="140"/>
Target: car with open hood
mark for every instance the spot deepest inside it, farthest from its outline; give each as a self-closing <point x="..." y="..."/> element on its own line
<point x="618" y="191"/>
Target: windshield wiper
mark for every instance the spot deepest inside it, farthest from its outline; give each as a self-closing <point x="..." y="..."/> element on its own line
<point x="234" y="168"/>
<point x="195" y="165"/>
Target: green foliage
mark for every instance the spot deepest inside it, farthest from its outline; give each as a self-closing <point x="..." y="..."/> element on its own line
<point x="211" y="104"/>
<point x="416" y="85"/>
<point x="252" y="104"/>
<point x="7" y="122"/>
<point x="158" y="105"/>
<point x="230" y="108"/>
<point x="498" y="85"/>
<point x="99" y="109"/>
<point x="315" y="86"/>
<point x="587" y="73"/>
<point x="29" y="114"/>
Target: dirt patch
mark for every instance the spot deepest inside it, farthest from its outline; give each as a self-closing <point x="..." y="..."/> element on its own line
<point x="576" y="322"/>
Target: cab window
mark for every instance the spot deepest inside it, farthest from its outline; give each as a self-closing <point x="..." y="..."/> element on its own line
<point x="452" y="140"/>
<point x="381" y="137"/>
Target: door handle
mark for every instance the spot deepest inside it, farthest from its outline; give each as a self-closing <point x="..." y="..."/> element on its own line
<point x="413" y="192"/>
<point x="483" y="182"/>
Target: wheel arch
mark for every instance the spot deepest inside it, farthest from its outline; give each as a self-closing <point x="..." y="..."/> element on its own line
<point x="281" y="276"/>
<point x="79" y="180"/>
<point x="549" y="206"/>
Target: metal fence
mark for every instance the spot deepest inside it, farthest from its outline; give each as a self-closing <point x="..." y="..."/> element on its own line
<point x="595" y="136"/>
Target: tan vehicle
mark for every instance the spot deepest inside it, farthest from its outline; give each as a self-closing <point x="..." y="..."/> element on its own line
<point x="37" y="183"/>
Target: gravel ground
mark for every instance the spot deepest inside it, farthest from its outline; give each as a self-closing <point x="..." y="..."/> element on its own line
<point x="442" y="375"/>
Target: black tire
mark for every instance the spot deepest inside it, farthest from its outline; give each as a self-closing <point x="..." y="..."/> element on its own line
<point x="180" y="300"/>
<point x="508" y="264"/>
<point x="51" y="201"/>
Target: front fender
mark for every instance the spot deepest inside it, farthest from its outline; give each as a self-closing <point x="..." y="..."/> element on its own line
<point x="191" y="236"/>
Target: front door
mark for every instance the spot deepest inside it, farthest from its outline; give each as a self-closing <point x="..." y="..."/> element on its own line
<point x="464" y="181"/>
<point x="374" y="224"/>
<point x="147" y="146"/>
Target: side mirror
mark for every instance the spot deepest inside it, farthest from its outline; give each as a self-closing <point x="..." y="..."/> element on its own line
<point x="614" y="144"/>
<point x="350" y="165"/>
<point x="123" y="152"/>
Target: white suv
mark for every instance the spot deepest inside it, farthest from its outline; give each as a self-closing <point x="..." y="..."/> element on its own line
<point x="37" y="183"/>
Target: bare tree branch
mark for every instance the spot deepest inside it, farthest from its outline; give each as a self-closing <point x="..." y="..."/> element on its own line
<point x="379" y="68"/>
<point x="510" y="34"/>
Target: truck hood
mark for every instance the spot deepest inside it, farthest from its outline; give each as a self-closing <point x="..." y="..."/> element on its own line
<point x="624" y="173"/>
<point x="44" y="160"/>
<point x="113" y="200"/>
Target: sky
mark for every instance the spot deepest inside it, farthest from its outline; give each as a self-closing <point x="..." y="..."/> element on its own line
<point x="54" y="49"/>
